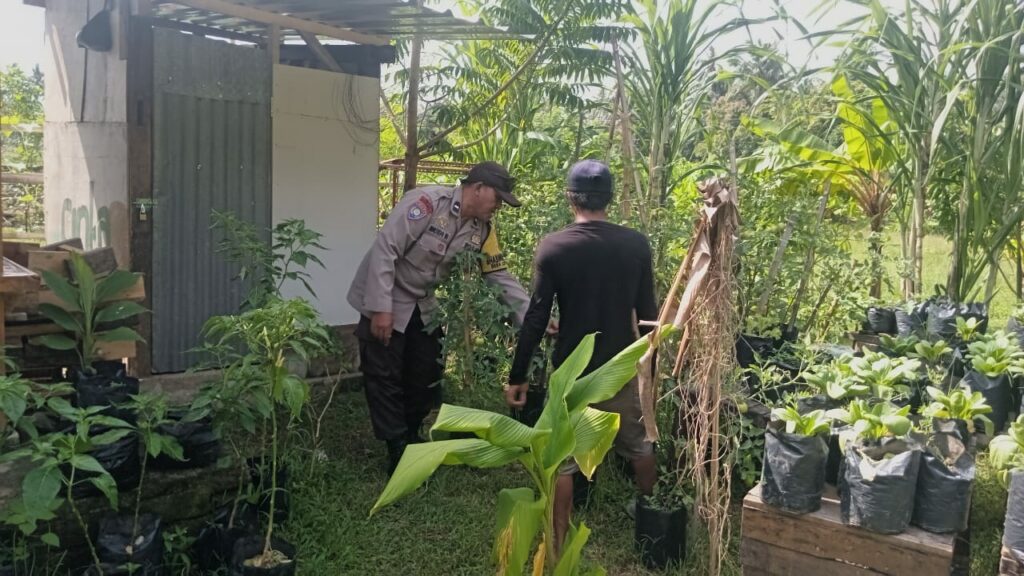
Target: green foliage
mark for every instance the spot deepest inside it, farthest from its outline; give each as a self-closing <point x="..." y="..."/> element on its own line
<point x="21" y="145"/>
<point x="899" y="345"/>
<point x="887" y="377"/>
<point x="89" y="304"/>
<point x="811" y="424"/>
<point x="932" y="353"/>
<point x="1006" y="451"/>
<point x="959" y="404"/>
<point x="872" y="422"/>
<point x="266" y="266"/>
<point x="967" y="329"/>
<point x="568" y="426"/>
<point x="836" y="379"/>
<point x="997" y="355"/>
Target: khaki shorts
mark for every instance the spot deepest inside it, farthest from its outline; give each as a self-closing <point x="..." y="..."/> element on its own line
<point x="630" y="441"/>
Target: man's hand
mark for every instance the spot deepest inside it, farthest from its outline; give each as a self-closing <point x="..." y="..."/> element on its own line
<point x="381" y="325"/>
<point x="515" y="395"/>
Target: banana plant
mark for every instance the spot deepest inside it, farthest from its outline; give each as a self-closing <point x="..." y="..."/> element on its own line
<point x="873" y="422"/>
<point x="959" y="404"/>
<point x="568" y="427"/>
<point x="88" y="303"/>
<point x="813" y="423"/>
<point x="1006" y="451"/>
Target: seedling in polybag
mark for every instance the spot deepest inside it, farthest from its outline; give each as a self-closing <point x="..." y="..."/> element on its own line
<point x="932" y="353"/>
<point x="873" y="423"/>
<point x="996" y="355"/>
<point x="836" y="379"/>
<point x="959" y="404"/>
<point x="811" y="424"/>
<point x="1006" y="451"/>
<point x="898" y="345"/>
<point x="887" y="377"/>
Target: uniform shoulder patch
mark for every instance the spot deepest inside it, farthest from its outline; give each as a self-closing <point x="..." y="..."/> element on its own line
<point x="422" y="208"/>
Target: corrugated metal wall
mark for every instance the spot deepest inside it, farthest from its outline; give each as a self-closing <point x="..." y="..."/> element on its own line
<point x="211" y="151"/>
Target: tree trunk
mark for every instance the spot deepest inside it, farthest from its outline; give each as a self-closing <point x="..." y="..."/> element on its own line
<point x="805" y="278"/>
<point x="959" y="253"/>
<point x="773" y="271"/>
<point x="412" y="153"/>
<point x="917" y="252"/>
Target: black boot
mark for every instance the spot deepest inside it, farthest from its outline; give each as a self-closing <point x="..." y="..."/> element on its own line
<point x="413" y="437"/>
<point x="395" y="450"/>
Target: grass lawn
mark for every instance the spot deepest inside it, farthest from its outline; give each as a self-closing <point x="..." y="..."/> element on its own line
<point x="935" y="271"/>
<point x="445" y="529"/>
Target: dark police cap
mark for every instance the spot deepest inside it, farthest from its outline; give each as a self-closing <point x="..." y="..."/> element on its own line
<point x="495" y="175"/>
<point x="590" y="177"/>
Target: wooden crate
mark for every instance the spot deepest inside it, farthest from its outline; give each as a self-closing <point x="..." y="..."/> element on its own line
<point x="776" y="543"/>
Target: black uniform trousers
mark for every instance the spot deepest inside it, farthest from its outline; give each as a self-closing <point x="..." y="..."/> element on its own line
<point x="401" y="379"/>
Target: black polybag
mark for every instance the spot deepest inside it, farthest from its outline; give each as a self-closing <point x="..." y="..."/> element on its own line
<point x="941" y="320"/>
<point x="877" y="485"/>
<point x="996" y="391"/>
<point x="911" y="323"/>
<point x="793" y="475"/>
<point x="250" y="546"/>
<point x="199" y="443"/>
<point x="114" y="542"/>
<point x="108" y="386"/>
<point x="1013" y="526"/>
<point x="659" y="535"/>
<point x="881" y="320"/>
<point x="119" y="458"/>
<point x="216" y="542"/>
<point x="942" y="503"/>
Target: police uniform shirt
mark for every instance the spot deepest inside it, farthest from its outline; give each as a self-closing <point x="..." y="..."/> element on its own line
<point x="415" y="249"/>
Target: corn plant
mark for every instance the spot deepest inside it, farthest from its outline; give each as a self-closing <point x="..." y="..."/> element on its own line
<point x="959" y="404"/>
<point x="1006" y="451"/>
<point x="874" y="422"/>
<point x="568" y="427"/>
<point x="811" y="424"/>
<point x="996" y="356"/>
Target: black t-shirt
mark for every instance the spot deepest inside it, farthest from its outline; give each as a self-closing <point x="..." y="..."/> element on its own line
<point x="600" y="274"/>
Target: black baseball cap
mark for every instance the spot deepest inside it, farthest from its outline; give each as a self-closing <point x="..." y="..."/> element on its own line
<point x="495" y="175"/>
<point x="590" y="177"/>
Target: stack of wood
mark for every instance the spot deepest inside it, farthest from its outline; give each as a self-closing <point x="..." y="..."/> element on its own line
<point x="23" y="322"/>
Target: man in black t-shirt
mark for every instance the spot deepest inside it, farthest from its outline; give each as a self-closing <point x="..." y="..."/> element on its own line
<point x="601" y="276"/>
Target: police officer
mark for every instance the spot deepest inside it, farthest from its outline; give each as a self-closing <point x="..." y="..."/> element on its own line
<point x="393" y="291"/>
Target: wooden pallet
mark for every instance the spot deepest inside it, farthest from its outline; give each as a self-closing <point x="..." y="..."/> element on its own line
<point x="776" y="543"/>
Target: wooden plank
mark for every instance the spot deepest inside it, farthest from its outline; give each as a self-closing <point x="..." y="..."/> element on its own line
<point x="763" y="559"/>
<point x="136" y="293"/>
<point x="68" y="243"/>
<point x="18" y="251"/>
<point x="284" y="21"/>
<point x="49" y="261"/>
<point x="17" y="279"/>
<point x="21" y="177"/>
<point x="821" y="534"/>
<point x="139" y="100"/>
<point x="321" y="53"/>
<point x="102" y="261"/>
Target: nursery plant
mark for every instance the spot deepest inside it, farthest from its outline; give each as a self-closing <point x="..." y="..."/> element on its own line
<point x="795" y="459"/>
<point x="1006" y="451"/>
<point x="931" y="353"/>
<point x="887" y="377"/>
<point x="836" y="379"/>
<point x="872" y="422"/>
<point x="898" y="345"/>
<point x="269" y="334"/>
<point x="959" y="404"/>
<point x="968" y="329"/>
<point x="996" y="355"/>
<point x="89" y="303"/>
<point x="813" y="423"/>
<point x="568" y="426"/>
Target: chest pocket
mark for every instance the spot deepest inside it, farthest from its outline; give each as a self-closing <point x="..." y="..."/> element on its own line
<point x="427" y="253"/>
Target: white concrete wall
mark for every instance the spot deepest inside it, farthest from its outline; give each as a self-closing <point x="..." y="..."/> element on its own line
<point x="85" y="151"/>
<point x="325" y="156"/>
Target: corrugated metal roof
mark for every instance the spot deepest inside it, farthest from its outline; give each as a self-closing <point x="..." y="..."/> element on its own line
<point x="383" y="18"/>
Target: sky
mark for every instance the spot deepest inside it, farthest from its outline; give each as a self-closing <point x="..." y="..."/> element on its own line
<point x="21" y="30"/>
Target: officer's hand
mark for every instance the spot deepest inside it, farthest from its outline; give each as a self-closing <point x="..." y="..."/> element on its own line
<point x="515" y="395"/>
<point x="380" y="326"/>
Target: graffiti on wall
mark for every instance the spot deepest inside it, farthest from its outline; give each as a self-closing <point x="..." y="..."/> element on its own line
<point x="87" y="222"/>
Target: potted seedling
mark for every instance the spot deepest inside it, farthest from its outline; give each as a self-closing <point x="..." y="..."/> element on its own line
<point x="935" y="357"/>
<point x="89" y="308"/>
<point x="567" y="427"/>
<point x="961" y="408"/>
<point x="1006" y="455"/>
<point x="835" y="382"/>
<point x="993" y="360"/>
<point x="942" y="502"/>
<point x="64" y="462"/>
<point x="269" y="334"/>
<point x="136" y="541"/>
<point x="890" y="379"/>
<point x="897" y="346"/>
<point x="795" y="455"/>
<point x="879" y="476"/>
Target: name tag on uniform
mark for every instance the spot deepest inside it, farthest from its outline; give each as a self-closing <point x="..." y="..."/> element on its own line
<point x="435" y="230"/>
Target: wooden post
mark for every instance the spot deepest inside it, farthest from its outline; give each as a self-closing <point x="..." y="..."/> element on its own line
<point x="139" y="71"/>
<point x="274" y="45"/>
<point x="412" y="155"/>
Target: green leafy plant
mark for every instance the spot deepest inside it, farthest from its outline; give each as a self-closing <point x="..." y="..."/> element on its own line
<point x="568" y="426"/>
<point x="874" y="422"/>
<point x="269" y="334"/>
<point x="177" y="543"/>
<point x="1006" y="451"/>
<point x="811" y="424"/>
<point x="89" y="303"/>
<point x="268" y="265"/>
<point x="887" y="377"/>
<point x="996" y="355"/>
<point x="932" y="353"/>
<point x="967" y="329"/>
<point x="836" y="379"/>
<point x="60" y="460"/>
<point x="959" y="404"/>
<point x="898" y="345"/>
